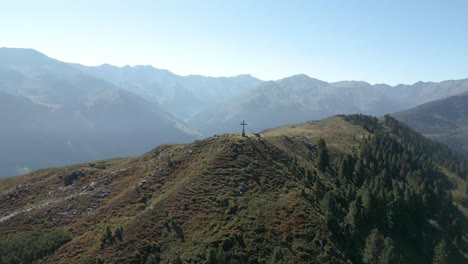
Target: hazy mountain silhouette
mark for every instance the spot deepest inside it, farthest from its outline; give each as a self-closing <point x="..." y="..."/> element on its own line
<point x="107" y="111"/>
<point x="53" y="114"/>
<point x="300" y="98"/>
<point x="183" y="96"/>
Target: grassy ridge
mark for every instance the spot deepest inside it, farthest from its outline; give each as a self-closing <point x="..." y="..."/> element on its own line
<point x="257" y="199"/>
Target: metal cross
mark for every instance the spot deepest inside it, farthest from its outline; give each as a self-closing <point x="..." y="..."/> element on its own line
<point x="243" y="124"/>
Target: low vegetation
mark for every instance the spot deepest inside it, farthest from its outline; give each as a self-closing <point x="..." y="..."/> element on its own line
<point x="346" y="189"/>
<point x="26" y="247"/>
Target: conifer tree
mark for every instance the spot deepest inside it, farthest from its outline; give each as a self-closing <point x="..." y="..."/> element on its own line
<point x="389" y="253"/>
<point x="278" y="256"/>
<point x="119" y="233"/>
<point x="323" y="157"/>
<point x="107" y="237"/>
<point x="466" y="184"/>
<point x="440" y="253"/>
<point x="352" y="217"/>
<point x="373" y="248"/>
<point x="211" y="257"/>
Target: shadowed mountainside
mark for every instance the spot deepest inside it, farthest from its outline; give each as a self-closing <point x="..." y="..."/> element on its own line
<point x="444" y="120"/>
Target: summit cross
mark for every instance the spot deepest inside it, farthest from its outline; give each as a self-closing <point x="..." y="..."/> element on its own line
<point x="243" y="124"/>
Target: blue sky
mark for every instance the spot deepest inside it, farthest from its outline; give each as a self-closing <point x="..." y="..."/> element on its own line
<point x="376" y="41"/>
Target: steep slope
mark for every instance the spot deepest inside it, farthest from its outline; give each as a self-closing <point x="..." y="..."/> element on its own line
<point x="444" y="120"/>
<point x="227" y="193"/>
<point x="183" y="96"/>
<point x="276" y="197"/>
<point x="300" y="98"/>
<point x="52" y="114"/>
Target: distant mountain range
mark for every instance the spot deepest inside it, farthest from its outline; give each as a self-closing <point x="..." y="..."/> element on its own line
<point x="67" y="113"/>
<point x="53" y="114"/>
<point x="300" y="98"/>
<point x="183" y="96"/>
<point x="444" y="120"/>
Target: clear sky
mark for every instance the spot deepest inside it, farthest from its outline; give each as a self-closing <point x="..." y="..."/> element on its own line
<point x="389" y="41"/>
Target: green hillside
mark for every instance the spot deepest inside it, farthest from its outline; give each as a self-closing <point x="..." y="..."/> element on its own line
<point x="344" y="189"/>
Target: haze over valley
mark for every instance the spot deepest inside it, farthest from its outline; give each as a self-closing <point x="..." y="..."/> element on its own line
<point x="53" y="114"/>
<point x="78" y="113"/>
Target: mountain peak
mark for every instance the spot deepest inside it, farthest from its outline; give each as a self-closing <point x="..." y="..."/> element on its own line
<point x="27" y="51"/>
<point x="298" y="76"/>
<point x="351" y="84"/>
<point x="23" y="56"/>
<point x="107" y="65"/>
<point x="302" y="78"/>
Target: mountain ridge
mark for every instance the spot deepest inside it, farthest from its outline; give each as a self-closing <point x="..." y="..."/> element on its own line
<point x="300" y="98"/>
<point x="206" y="104"/>
<point x="266" y="198"/>
<point x="237" y="75"/>
<point x="444" y="120"/>
<point x="79" y="115"/>
<point x="183" y="96"/>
